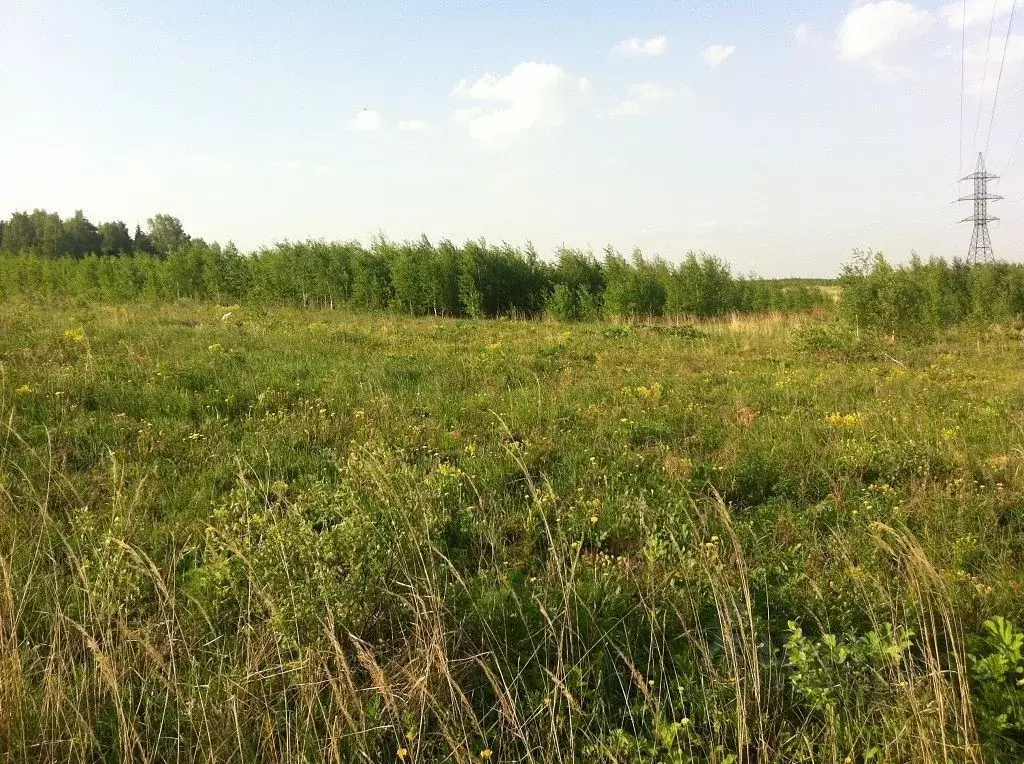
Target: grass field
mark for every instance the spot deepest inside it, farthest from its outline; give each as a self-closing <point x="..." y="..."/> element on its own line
<point x="231" y="535"/>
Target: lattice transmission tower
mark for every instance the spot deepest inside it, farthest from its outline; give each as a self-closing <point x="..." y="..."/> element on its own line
<point x="981" y="242"/>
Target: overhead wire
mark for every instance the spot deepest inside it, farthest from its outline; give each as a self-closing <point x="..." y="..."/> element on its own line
<point x="963" y="77"/>
<point x="999" y="80"/>
<point x="1020" y="136"/>
<point x="984" y="75"/>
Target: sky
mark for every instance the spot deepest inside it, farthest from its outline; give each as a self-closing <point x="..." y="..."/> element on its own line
<point x="778" y="135"/>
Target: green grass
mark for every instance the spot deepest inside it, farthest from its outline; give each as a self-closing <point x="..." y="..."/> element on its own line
<point x="283" y="535"/>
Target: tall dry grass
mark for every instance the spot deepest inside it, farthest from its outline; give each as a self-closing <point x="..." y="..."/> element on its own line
<point x="79" y="683"/>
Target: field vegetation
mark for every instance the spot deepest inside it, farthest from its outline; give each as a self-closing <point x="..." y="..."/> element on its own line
<point x="301" y="505"/>
<point x="256" y="532"/>
<point x="43" y="256"/>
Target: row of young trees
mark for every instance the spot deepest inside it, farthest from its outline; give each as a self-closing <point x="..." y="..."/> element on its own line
<point x="43" y="255"/>
<point x="915" y="300"/>
<point x="45" y="234"/>
<point x="416" y="278"/>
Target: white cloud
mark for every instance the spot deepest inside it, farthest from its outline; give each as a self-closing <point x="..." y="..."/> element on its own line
<point x="716" y="54"/>
<point x="413" y="126"/>
<point x="532" y="96"/>
<point x="365" y="121"/>
<point x="975" y="11"/>
<point x="644" y="98"/>
<point x="872" y="28"/>
<point x="806" y="35"/>
<point x="634" y="47"/>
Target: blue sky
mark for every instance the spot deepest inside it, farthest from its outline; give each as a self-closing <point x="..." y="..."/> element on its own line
<point x="778" y="135"/>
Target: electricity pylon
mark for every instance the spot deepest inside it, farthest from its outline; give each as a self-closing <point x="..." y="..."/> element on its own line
<point x="981" y="242"/>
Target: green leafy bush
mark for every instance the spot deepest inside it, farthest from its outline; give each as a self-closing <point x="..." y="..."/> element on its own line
<point x="829" y="337"/>
<point x="997" y="677"/>
<point x="296" y="557"/>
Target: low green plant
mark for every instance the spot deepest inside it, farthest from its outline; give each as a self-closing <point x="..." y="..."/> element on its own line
<point x="997" y="673"/>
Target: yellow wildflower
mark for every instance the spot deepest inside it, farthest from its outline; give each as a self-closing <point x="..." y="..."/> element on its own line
<point x="837" y="419"/>
<point x="653" y="391"/>
<point x="75" y="335"/>
<point x="24" y="390"/>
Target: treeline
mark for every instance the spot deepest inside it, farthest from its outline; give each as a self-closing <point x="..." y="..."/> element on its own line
<point x="916" y="300"/>
<point x="45" y="234"/>
<point x="416" y="278"/>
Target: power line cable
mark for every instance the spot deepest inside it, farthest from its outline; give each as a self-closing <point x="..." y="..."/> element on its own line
<point x="984" y="75"/>
<point x="999" y="80"/>
<point x="963" y="77"/>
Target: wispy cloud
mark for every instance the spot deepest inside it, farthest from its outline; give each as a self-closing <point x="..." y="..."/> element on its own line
<point x="644" y="98"/>
<point x="366" y="121"/>
<point x="806" y="35"/>
<point x="716" y="54"/>
<point x="634" y="47"/>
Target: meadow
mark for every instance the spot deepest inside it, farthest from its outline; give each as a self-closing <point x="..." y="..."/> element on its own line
<point x="243" y="533"/>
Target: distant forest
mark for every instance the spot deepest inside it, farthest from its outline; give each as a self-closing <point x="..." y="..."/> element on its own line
<point x="45" y="256"/>
<point x="44" y="234"/>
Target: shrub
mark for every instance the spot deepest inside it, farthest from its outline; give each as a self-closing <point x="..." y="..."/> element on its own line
<point x="997" y="674"/>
